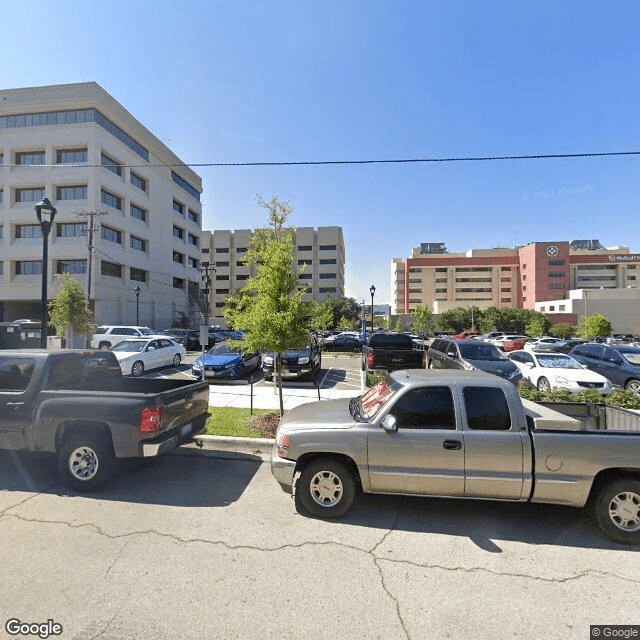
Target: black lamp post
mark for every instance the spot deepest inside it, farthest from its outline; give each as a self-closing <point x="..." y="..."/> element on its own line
<point x="45" y="212"/>
<point x="372" y="290"/>
<point x="137" y="289"/>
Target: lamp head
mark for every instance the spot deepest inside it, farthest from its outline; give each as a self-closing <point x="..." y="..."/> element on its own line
<point x="45" y="211"/>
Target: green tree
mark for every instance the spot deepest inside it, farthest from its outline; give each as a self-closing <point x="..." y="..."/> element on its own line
<point x="595" y="325"/>
<point x="69" y="308"/>
<point x="344" y="308"/>
<point x="399" y="328"/>
<point x="562" y="330"/>
<point x="422" y="319"/>
<point x="321" y="316"/>
<point x="537" y="326"/>
<point x="269" y="308"/>
<point x="456" y="320"/>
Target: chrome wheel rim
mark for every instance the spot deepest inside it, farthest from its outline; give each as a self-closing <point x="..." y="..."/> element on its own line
<point x="137" y="369"/>
<point x="634" y="387"/>
<point x="624" y="511"/>
<point x="544" y="386"/>
<point x="83" y="463"/>
<point x="176" y="360"/>
<point x="326" y="488"/>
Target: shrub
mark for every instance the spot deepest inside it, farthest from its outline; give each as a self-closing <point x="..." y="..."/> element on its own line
<point x="529" y="392"/>
<point x="561" y="395"/>
<point x="590" y="396"/>
<point x="622" y="398"/>
<point x="373" y="377"/>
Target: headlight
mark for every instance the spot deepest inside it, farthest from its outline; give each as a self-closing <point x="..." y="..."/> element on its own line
<point x="562" y="380"/>
<point x="267" y="360"/>
<point x="303" y="360"/>
<point x="514" y="374"/>
<point x="231" y="365"/>
<point x="468" y="367"/>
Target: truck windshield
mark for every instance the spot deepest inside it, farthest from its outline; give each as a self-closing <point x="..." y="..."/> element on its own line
<point x="374" y="399"/>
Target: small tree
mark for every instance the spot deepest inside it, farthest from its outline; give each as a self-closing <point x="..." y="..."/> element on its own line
<point x="537" y="326"/>
<point x="423" y="319"/>
<point x="269" y="308"/>
<point x="399" y="328"/>
<point x="595" y="325"/>
<point x="321" y="316"/>
<point x="562" y="330"/>
<point x="69" y="308"/>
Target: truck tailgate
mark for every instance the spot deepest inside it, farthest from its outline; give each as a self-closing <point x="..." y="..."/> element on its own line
<point x="182" y="406"/>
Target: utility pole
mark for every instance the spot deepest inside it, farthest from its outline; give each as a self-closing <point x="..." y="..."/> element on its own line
<point x="90" y="216"/>
<point x="205" y="268"/>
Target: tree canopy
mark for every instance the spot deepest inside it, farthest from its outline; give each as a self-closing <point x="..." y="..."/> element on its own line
<point x="69" y="308"/>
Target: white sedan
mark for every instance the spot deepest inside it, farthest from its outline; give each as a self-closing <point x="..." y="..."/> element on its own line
<point x="553" y="371"/>
<point x="137" y="355"/>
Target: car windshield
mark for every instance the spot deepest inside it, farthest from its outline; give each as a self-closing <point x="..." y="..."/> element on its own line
<point x="631" y="354"/>
<point x="222" y="349"/>
<point x="131" y="346"/>
<point x="480" y="352"/>
<point x="373" y="400"/>
<point x="558" y="362"/>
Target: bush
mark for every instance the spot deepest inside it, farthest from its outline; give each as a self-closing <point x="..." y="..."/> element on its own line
<point x="622" y="398"/>
<point x="373" y="377"/>
<point x="529" y="392"/>
<point x="561" y="395"/>
<point x="590" y="396"/>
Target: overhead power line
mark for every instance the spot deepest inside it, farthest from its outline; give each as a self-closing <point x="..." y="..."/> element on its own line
<point x="541" y="156"/>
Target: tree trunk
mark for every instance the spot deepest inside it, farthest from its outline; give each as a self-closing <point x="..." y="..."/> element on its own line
<point x="279" y="378"/>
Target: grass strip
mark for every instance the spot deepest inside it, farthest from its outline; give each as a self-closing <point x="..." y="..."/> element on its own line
<point x="231" y="421"/>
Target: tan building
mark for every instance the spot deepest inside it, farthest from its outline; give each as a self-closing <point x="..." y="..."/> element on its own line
<point x="79" y="147"/>
<point x="320" y="251"/>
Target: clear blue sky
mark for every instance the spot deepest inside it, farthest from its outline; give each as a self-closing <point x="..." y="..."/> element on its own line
<point x="284" y="80"/>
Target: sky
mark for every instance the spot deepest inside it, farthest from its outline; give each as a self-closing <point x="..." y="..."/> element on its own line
<point x="288" y="81"/>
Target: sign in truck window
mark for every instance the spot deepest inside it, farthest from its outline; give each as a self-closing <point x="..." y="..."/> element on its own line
<point x="377" y="397"/>
<point x="15" y="373"/>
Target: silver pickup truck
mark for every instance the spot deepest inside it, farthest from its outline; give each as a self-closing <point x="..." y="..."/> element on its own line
<point x="462" y="435"/>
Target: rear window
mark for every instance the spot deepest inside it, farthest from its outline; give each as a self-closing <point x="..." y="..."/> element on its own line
<point x="102" y="330"/>
<point x="15" y="373"/>
<point x="83" y="372"/>
<point x="386" y="341"/>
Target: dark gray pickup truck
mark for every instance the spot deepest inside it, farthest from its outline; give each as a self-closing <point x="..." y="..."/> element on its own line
<point x="391" y="351"/>
<point x="78" y="405"/>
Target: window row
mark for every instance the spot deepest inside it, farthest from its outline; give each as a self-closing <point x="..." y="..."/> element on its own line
<point x="322" y="247"/>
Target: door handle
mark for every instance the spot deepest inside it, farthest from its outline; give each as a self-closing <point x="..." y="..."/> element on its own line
<point x="15" y="404"/>
<point x="453" y="445"/>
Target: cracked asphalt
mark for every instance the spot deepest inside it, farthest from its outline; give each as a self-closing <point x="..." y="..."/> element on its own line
<point x="204" y="544"/>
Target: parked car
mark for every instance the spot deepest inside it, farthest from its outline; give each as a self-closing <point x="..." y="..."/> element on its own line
<point x="543" y="344"/>
<point x="553" y="371"/>
<point x="137" y="355"/>
<point x="492" y="335"/>
<point x="620" y="363"/>
<point x="567" y="345"/>
<point x="391" y="351"/>
<point x="464" y="335"/>
<point x="222" y="361"/>
<point x="303" y="363"/>
<point x="456" y="434"/>
<point x="108" y="336"/>
<point x="472" y="355"/>
<point x="343" y="342"/>
<point x="509" y="338"/>
<point x="514" y="345"/>
<point x="188" y="337"/>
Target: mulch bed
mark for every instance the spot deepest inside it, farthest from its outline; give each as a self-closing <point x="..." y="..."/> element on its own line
<point x="267" y="423"/>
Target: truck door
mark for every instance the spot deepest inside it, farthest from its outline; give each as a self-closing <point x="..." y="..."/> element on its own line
<point x="425" y="455"/>
<point x="15" y="405"/>
<point x="495" y="447"/>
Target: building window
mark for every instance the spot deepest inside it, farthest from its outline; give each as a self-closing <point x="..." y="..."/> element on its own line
<point x="328" y="247"/>
<point x="241" y="250"/>
<point x="178" y="283"/>
<point x="109" y="163"/>
<point x="505" y="290"/>
<point x="185" y="185"/>
<point x="467" y="269"/>
<point x="1" y="231"/>
<point x="524" y="288"/>
<point x="71" y="229"/>
<point x="557" y="285"/>
<point x="542" y="309"/>
<point x="328" y="261"/>
<point x="305" y="276"/>
<point x="524" y="266"/>
<point x="222" y="291"/>
<point x="441" y="270"/>
<point x="139" y="275"/>
<point x="178" y="257"/>
<point x="138" y="212"/>
<point x="77" y="192"/>
<point x="327" y="290"/>
<point x="138" y="181"/>
<point x="34" y="194"/>
<point x="178" y="208"/>
<point x="205" y="250"/>
<point x="219" y="305"/>
<point x="415" y="280"/>
<point x="307" y="262"/>
<point x="441" y="291"/>
<point x="305" y="247"/>
<point x="242" y="277"/>
<point x="222" y="263"/>
<point x="556" y="263"/>
<point x="505" y="279"/>
<point x="415" y="270"/>
<point x="561" y="307"/>
<point x="1" y="159"/>
<point x="30" y="157"/>
<point x="71" y="266"/>
<point x="557" y="274"/>
<point x="193" y="263"/>
<point x="28" y="231"/>
<point x="241" y="263"/>
<point x="1" y="268"/>
<point x="328" y="276"/>
<point x="222" y="250"/>
<point x="505" y="299"/>
<point x="552" y="308"/>
<point x="71" y="156"/>
<point x="110" y="269"/>
<point x="1" y="195"/>
<point x="415" y="290"/>
<point x="178" y="232"/>
<point x="505" y="268"/>
<point x="28" y="267"/>
<point x="110" y="199"/>
<point x="222" y="277"/>
<point x="110" y="234"/>
<point x="194" y="240"/>
<point x="138" y="243"/>
<point x="193" y="216"/>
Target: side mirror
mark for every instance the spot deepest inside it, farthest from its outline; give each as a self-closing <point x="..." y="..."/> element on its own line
<point x="451" y="354"/>
<point x="151" y="348"/>
<point x="529" y="365"/>
<point x="389" y="424"/>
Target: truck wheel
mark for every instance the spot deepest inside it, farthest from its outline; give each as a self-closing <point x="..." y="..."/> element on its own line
<point x="617" y="511"/>
<point x="326" y="488"/>
<point x="103" y="346"/>
<point x="543" y="385"/>
<point x="634" y="387"/>
<point x="430" y="364"/>
<point x="137" y="369"/>
<point x="85" y="460"/>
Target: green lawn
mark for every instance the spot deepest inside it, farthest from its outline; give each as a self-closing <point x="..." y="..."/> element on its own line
<point x="229" y="421"/>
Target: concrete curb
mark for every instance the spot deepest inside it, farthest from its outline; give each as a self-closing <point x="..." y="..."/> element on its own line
<point x="260" y="446"/>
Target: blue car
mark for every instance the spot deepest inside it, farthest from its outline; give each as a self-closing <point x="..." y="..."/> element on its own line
<point x="224" y="362"/>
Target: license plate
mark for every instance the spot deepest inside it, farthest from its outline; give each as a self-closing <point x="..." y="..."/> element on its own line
<point x="396" y="359"/>
<point x="186" y="429"/>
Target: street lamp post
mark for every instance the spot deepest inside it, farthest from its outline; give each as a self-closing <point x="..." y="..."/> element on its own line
<point x="45" y="212"/>
<point x="137" y="289"/>
<point x="372" y="290"/>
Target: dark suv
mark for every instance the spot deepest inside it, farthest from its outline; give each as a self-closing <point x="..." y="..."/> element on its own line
<point x="620" y="363"/>
<point x="303" y="363"/>
<point x="473" y="355"/>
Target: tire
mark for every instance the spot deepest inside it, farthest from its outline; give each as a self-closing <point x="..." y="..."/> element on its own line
<point x="137" y="368"/>
<point x="85" y="460"/>
<point x="634" y="387"/>
<point x="617" y="510"/>
<point x="103" y="346"/>
<point x="543" y="385"/>
<point x="176" y="360"/>
<point x="326" y="488"/>
<point x="430" y="364"/>
<point x="268" y="377"/>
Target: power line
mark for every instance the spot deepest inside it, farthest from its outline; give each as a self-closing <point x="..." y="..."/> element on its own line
<point x="541" y="156"/>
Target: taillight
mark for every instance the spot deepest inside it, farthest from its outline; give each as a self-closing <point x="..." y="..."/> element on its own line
<point x="150" y="420"/>
<point x="424" y="361"/>
<point x="369" y="358"/>
<point x="282" y="446"/>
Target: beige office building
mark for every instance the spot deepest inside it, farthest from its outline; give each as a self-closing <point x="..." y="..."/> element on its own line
<point x="319" y="251"/>
<point x="77" y="146"/>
